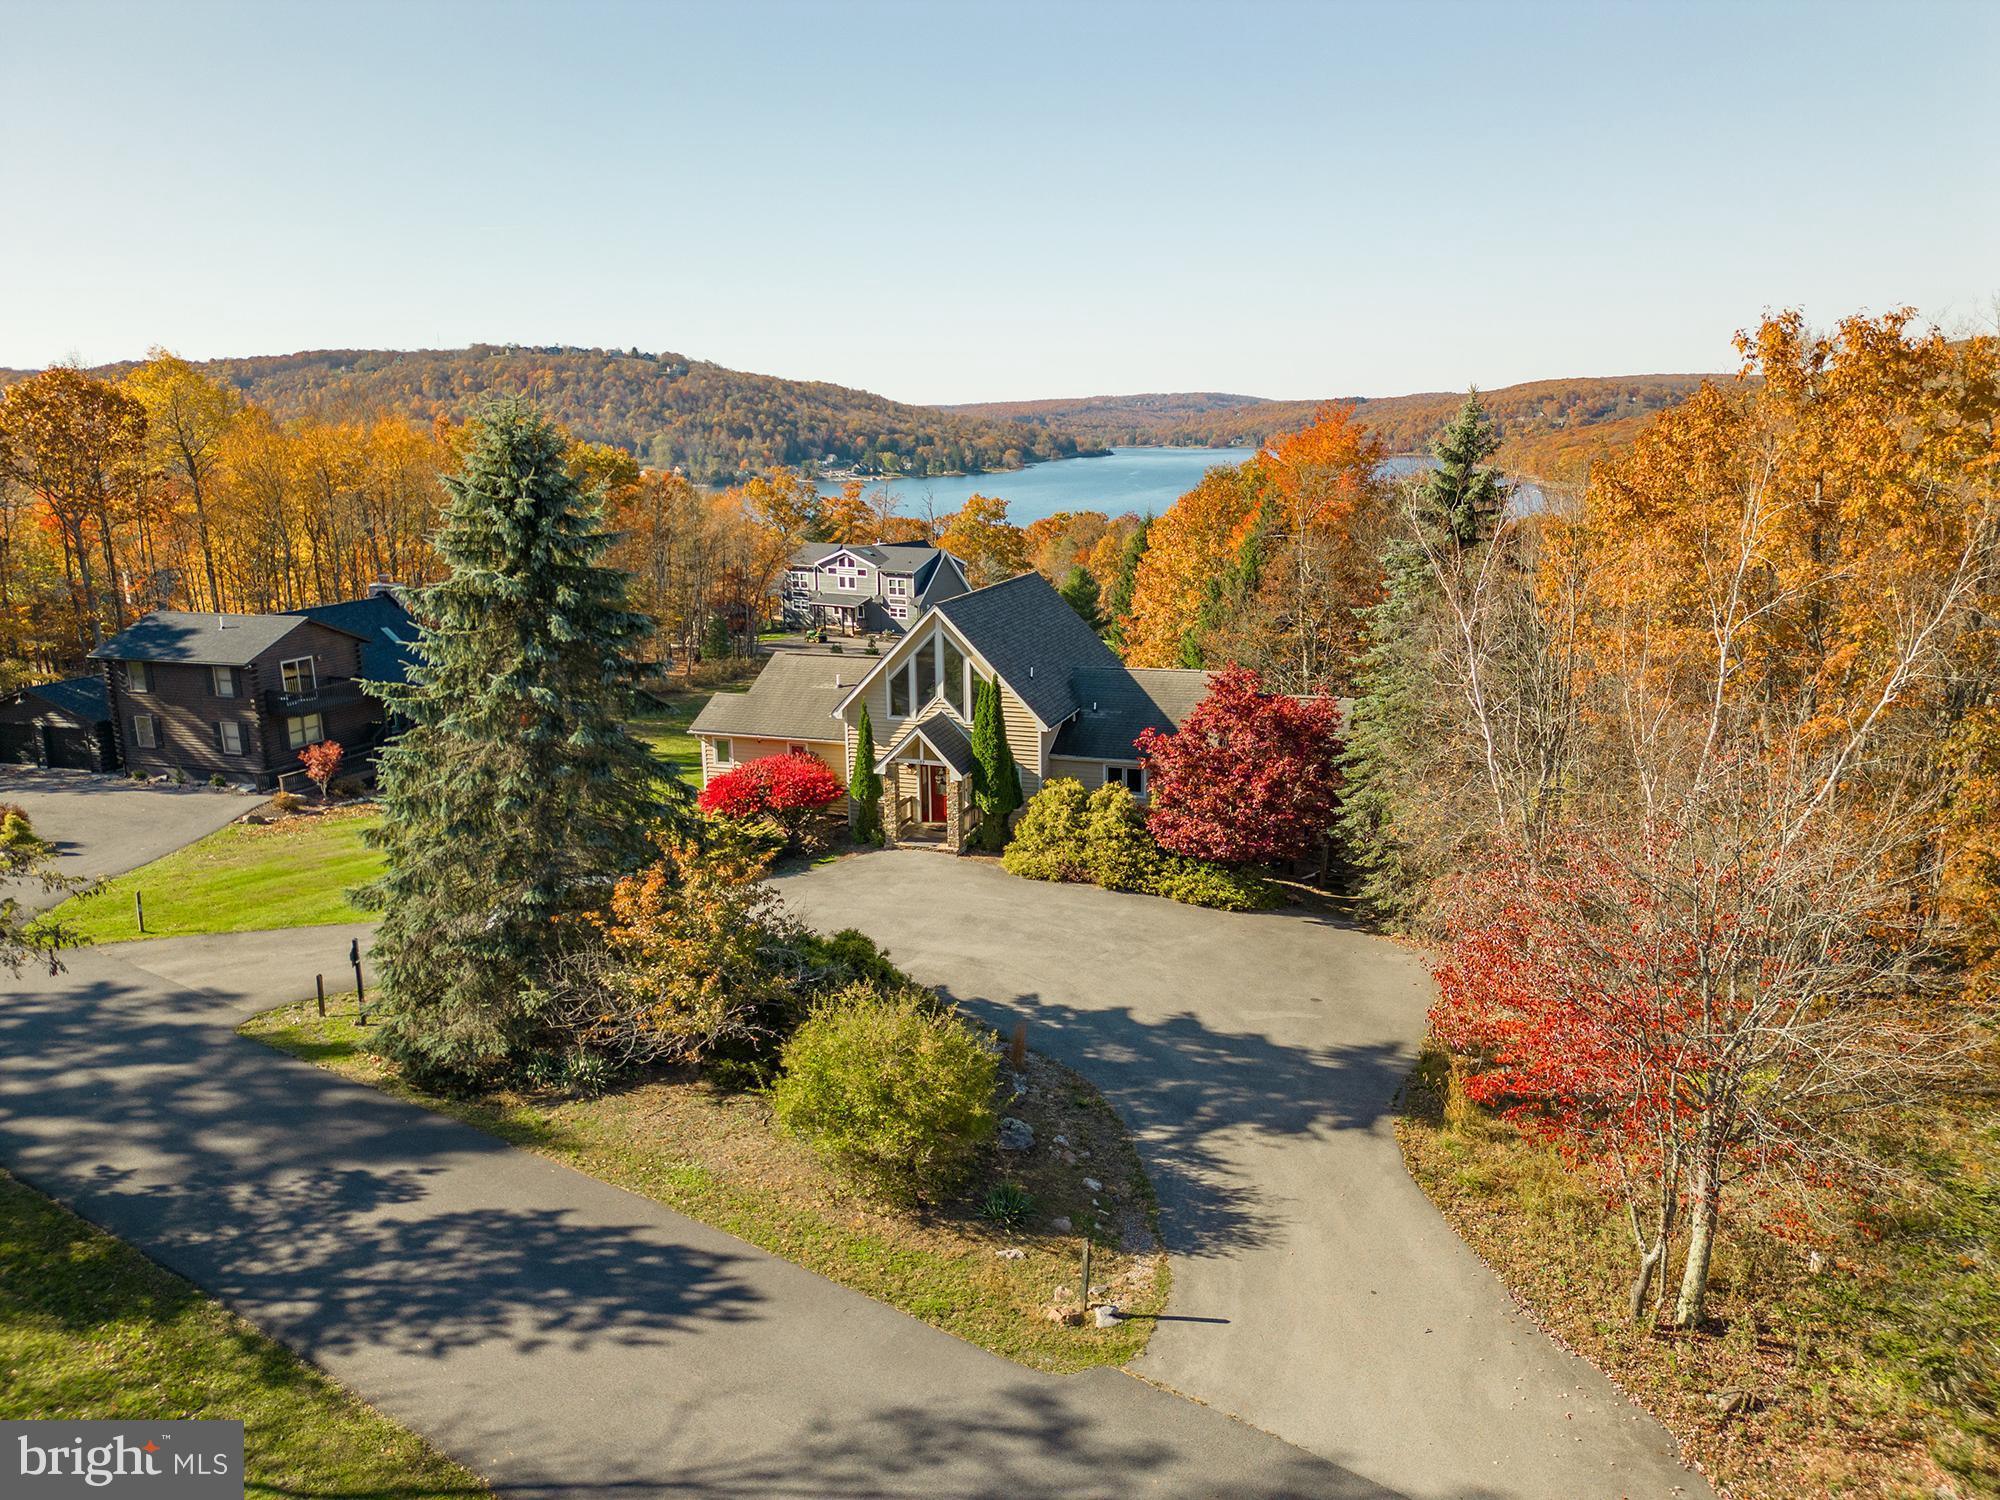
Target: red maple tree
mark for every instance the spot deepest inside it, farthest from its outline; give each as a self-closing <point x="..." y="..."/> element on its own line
<point x="322" y="762"/>
<point x="788" y="789"/>
<point x="1251" y="776"/>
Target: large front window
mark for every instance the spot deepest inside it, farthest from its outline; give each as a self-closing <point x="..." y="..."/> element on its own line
<point x="137" y="678"/>
<point x="298" y="677"/>
<point x="925" y="669"/>
<point x="954" y="675"/>
<point x="302" y="730"/>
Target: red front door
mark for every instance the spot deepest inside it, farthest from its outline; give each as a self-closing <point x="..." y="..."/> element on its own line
<point x="933" y="789"/>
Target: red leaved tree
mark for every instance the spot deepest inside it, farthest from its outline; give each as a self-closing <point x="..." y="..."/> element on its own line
<point x="322" y="762"/>
<point x="787" y="789"/>
<point x="1251" y="777"/>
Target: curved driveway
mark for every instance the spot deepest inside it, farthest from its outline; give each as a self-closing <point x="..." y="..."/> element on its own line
<point x="1317" y="1294"/>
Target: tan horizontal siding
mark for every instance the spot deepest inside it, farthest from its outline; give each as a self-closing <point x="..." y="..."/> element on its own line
<point x="743" y="749"/>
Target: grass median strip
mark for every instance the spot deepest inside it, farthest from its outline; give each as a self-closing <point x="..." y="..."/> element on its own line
<point x="295" y="872"/>
<point x="90" y="1329"/>
<point x="715" y="1156"/>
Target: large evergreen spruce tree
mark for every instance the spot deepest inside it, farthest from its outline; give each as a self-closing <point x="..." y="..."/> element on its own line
<point x="515" y="795"/>
<point x="1458" y="503"/>
<point x="996" y="780"/>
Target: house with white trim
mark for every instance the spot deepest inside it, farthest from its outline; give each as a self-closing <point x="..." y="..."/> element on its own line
<point x="872" y="589"/>
<point x="1069" y="705"/>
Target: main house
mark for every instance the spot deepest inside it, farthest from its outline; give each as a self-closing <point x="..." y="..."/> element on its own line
<point x="877" y="589"/>
<point x="1071" y="708"/>
<point x="239" y="696"/>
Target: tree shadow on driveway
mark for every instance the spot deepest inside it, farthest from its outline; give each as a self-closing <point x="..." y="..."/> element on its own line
<point x="345" y="1218"/>
<point x="1188" y="1090"/>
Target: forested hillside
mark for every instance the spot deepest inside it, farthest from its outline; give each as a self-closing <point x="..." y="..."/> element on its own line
<point x="670" y="411"/>
<point x="1544" y="425"/>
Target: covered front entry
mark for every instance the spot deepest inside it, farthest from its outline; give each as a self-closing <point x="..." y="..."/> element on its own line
<point x="926" y="785"/>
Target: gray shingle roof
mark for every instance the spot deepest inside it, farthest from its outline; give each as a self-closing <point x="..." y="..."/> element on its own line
<point x="79" y="697"/>
<point x="890" y="557"/>
<point x="384" y="625"/>
<point x="172" y="635"/>
<point x="793" y="698"/>
<point x="943" y="735"/>
<point x="1116" y="703"/>
<point x="1032" y="638"/>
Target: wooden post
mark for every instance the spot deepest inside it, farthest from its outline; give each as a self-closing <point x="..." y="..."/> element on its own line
<point x="1017" y="1050"/>
<point x="1085" y="1289"/>
<point x="319" y="983"/>
<point x="360" y="995"/>
<point x="139" y="905"/>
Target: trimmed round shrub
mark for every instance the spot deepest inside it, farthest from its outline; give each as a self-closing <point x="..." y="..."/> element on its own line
<point x="1123" y="856"/>
<point x="1051" y="842"/>
<point x="890" y="1087"/>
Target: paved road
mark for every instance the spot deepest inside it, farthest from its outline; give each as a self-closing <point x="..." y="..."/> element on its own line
<point x="562" y="1337"/>
<point x="1257" y="1059"/>
<point x="105" y="825"/>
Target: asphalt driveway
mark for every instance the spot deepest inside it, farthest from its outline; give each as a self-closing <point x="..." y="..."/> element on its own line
<point x="105" y="825"/>
<point x="562" y="1337"/>
<point x="1317" y="1294"/>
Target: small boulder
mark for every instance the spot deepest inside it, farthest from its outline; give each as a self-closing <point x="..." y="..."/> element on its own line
<point x="1014" y="1253"/>
<point x="1092" y="1185"/>
<point x="1068" y="1314"/>
<point x="1059" y="1224"/>
<point x="1108" y="1316"/>
<point x="1016" y="1135"/>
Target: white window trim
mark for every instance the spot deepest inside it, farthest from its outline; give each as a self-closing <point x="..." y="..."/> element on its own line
<point x="222" y="733"/>
<point x="217" y="676"/>
<point x="720" y="748"/>
<point x="138" y="677"/>
<point x="145" y="732"/>
<point x="1123" y="773"/>
<point x="310" y="677"/>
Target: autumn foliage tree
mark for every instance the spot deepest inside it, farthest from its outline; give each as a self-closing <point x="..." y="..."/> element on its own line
<point x="1251" y="777"/>
<point x="322" y="762"/>
<point x="790" y="790"/>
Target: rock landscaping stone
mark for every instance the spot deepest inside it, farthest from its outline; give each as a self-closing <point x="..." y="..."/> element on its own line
<point x="1092" y="1185"/>
<point x="1059" y="1224"/>
<point x="1016" y="1135"/>
<point x="1107" y="1316"/>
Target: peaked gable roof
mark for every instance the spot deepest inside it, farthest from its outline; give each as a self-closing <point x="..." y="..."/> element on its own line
<point x="939" y="731"/>
<point x="890" y="557"/>
<point x="1030" y="636"/>
<point x="183" y="636"/>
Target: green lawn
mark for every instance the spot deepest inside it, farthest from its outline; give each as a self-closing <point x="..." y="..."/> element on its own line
<point x="292" y="873"/>
<point x="92" y="1330"/>
<point x="664" y="727"/>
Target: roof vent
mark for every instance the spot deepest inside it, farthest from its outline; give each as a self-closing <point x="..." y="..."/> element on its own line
<point x="836" y="680"/>
<point x="1031" y="669"/>
<point x="222" y="622"/>
<point x="1093" y="705"/>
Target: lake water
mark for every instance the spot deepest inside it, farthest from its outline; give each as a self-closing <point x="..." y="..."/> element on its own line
<point x="1135" y="479"/>
<point x="1145" y="480"/>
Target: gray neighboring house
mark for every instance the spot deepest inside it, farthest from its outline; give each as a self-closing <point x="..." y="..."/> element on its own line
<point x="873" y="589"/>
<point x="1070" y="707"/>
<point x="65" y="724"/>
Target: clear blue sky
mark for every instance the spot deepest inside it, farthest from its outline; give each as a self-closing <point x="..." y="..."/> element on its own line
<point x="951" y="201"/>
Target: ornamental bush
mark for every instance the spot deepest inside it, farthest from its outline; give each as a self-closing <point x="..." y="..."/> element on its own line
<point x="1198" y="882"/>
<point x="1122" y="855"/>
<point x="889" y="1086"/>
<point x="787" y="789"/>
<point x="1051" y="842"/>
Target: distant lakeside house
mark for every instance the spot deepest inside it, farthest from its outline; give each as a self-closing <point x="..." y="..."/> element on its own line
<point x="1070" y="707"/>
<point x="239" y="696"/>
<point x="871" y="589"/>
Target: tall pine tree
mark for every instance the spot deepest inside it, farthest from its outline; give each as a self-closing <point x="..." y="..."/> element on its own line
<point x="1458" y="503"/>
<point x="515" y="795"/>
<point x="1117" y="603"/>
